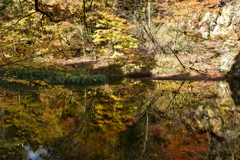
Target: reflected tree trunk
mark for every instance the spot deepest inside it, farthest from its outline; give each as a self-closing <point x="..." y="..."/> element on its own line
<point x="19" y="103"/>
<point x="3" y="129"/>
<point x="146" y="134"/>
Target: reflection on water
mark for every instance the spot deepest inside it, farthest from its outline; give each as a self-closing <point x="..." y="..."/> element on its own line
<point x="31" y="155"/>
<point x="131" y="120"/>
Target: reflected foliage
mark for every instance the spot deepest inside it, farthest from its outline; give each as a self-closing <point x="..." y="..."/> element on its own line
<point x="129" y="120"/>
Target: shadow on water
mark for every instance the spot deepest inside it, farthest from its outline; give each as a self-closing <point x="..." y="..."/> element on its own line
<point x="132" y="119"/>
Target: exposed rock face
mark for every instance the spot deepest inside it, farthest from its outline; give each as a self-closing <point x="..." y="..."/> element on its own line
<point x="218" y="119"/>
<point x="210" y="119"/>
<point x="229" y="52"/>
<point x="221" y="22"/>
<point x="224" y="22"/>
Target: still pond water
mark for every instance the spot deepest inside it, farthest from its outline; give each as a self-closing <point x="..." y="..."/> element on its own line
<point x="130" y="119"/>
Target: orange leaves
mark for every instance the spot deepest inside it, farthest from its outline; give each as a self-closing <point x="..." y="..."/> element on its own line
<point x="180" y="144"/>
<point x="210" y="2"/>
<point x="185" y="9"/>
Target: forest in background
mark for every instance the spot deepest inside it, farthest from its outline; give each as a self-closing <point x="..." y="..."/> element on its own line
<point x="35" y="34"/>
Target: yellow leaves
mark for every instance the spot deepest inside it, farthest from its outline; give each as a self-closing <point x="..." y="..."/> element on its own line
<point x="116" y="98"/>
<point x="131" y="56"/>
<point x="104" y="100"/>
<point x="68" y="75"/>
<point x="102" y="52"/>
<point x="6" y="125"/>
<point x="117" y="55"/>
<point x="16" y="138"/>
<point x="112" y="33"/>
<point x="22" y="22"/>
<point x="40" y="82"/>
<point x="17" y="80"/>
<point x="51" y="113"/>
<point x="225" y="108"/>
<point x="99" y="107"/>
<point x="119" y="106"/>
<point x="6" y="74"/>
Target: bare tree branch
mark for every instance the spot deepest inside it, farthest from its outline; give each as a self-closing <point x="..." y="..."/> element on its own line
<point x="44" y="13"/>
<point x="174" y="53"/>
<point x="23" y="18"/>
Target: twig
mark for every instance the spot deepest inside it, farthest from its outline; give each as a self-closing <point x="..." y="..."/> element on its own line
<point x="175" y="94"/>
<point x="199" y="71"/>
<point x="44" y="13"/>
<point x="176" y="57"/>
<point x="23" y="18"/>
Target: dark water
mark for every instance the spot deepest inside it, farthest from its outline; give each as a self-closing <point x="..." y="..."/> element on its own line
<point x="173" y="120"/>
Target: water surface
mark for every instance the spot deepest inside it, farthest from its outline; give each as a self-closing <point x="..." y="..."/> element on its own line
<point x="132" y="119"/>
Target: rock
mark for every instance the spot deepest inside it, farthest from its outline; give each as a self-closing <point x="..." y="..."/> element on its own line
<point x="220" y="22"/>
<point x="225" y="23"/>
<point x="204" y="26"/>
<point x="228" y="55"/>
<point x="226" y="17"/>
<point x="205" y="32"/>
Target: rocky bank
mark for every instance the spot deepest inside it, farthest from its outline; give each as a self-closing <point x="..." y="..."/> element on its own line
<point x="223" y="22"/>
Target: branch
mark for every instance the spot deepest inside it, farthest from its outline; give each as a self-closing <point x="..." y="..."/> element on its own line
<point x="176" y="57"/>
<point x="175" y="95"/>
<point x="84" y="13"/>
<point x="90" y="6"/>
<point x="23" y="18"/>
<point x="43" y="12"/>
